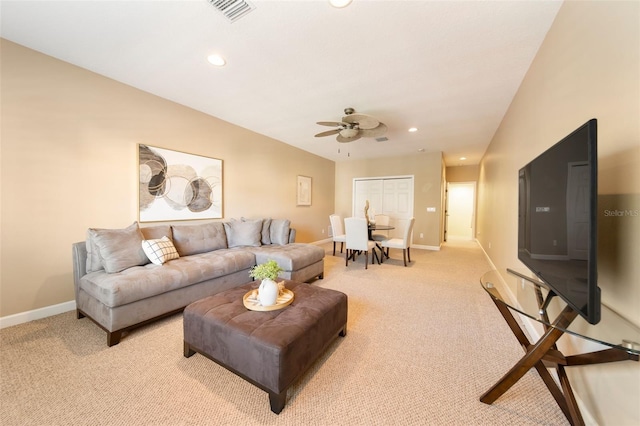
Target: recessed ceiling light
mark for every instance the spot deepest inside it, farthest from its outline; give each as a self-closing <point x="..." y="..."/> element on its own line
<point x="420" y="149"/>
<point x="216" y="60"/>
<point x="340" y="3"/>
<point x="463" y="158"/>
<point x="413" y="129"/>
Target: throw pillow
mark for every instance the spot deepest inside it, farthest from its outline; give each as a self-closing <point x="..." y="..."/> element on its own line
<point x="248" y="233"/>
<point x="280" y="231"/>
<point x="194" y="239"/>
<point x="160" y="250"/>
<point x="266" y="231"/>
<point x="265" y="239"/>
<point x="94" y="263"/>
<point x="156" y="232"/>
<point x="119" y="248"/>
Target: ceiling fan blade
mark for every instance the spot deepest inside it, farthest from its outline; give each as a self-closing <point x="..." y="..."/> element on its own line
<point x="331" y="123"/>
<point x="342" y="139"/>
<point x="328" y="133"/>
<point x="374" y="133"/>
<point x="365" y="122"/>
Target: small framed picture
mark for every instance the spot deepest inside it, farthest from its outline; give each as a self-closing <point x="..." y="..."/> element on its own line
<point x="304" y="191"/>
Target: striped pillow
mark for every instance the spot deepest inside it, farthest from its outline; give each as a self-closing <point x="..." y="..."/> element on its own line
<point x="159" y="251"/>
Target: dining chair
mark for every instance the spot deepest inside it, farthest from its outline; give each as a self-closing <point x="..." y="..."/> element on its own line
<point x="357" y="240"/>
<point x="381" y="219"/>
<point x="403" y="243"/>
<point x="338" y="232"/>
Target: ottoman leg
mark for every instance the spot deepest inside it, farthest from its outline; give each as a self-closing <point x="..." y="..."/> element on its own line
<point x="277" y="401"/>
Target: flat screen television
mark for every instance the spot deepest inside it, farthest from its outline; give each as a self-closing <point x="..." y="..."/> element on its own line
<point x="557" y="219"/>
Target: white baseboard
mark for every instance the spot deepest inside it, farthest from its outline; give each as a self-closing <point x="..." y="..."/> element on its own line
<point x="48" y="311"/>
<point x="423" y="247"/>
<point x="319" y="242"/>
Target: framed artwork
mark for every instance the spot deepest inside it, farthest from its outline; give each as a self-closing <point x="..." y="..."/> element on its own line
<point x="304" y="191"/>
<point x="175" y="185"/>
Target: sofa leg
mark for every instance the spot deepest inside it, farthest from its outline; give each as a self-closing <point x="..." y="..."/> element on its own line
<point x="113" y="337"/>
<point x="79" y="314"/>
<point x="321" y="276"/>
<point x="188" y="352"/>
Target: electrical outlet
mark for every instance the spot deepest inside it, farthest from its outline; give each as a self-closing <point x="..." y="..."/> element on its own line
<point x="489" y="245"/>
<point x="421" y="235"/>
<point x="323" y="230"/>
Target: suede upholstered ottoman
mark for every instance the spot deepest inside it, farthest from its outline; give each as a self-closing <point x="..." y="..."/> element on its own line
<point x="269" y="349"/>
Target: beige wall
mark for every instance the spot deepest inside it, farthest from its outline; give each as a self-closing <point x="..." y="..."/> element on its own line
<point x="427" y="169"/>
<point x="588" y="67"/>
<point x="69" y="152"/>
<point x="463" y="173"/>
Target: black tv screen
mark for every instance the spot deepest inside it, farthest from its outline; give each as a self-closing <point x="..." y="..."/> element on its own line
<point x="557" y="219"/>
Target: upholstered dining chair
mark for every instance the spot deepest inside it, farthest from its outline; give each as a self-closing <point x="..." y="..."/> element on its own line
<point x="403" y="243"/>
<point x="338" y="232"/>
<point x="381" y="219"/>
<point x="357" y="232"/>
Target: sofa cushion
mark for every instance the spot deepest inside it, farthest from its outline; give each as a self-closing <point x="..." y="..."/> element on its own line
<point x="94" y="263"/>
<point x="279" y="231"/>
<point x="266" y="231"/>
<point x="118" y="249"/>
<point x="141" y="282"/>
<point x="194" y="239"/>
<point x="243" y="233"/>
<point x="160" y="250"/>
<point x="290" y="257"/>
<point x="156" y="232"/>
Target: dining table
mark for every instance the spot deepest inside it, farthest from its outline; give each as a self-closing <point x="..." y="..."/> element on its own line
<point x="373" y="227"/>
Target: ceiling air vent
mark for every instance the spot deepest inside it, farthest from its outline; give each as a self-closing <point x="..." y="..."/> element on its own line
<point x="382" y="139"/>
<point x="233" y="9"/>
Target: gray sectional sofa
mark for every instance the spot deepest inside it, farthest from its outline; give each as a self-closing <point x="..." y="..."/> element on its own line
<point x="119" y="287"/>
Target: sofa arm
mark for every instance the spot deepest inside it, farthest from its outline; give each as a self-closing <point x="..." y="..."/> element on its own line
<point x="292" y="235"/>
<point x="79" y="257"/>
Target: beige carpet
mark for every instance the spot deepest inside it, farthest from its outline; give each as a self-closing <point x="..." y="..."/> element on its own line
<point x="423" y="343"/>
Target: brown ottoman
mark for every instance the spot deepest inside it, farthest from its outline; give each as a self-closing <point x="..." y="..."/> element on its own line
<point x="268" y="349"/>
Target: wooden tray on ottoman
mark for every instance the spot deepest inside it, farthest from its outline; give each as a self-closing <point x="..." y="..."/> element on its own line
<point x="284" y="300"/>
<point x="285" y="342"/>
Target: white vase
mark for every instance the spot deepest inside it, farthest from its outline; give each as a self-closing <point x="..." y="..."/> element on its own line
<point x="268" y="292"/>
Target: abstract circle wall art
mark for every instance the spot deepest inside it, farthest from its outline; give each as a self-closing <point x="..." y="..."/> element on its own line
<point x="175" y="185"/>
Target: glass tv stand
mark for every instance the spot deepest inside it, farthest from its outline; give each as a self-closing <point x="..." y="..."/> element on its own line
<point x="621" y="337"/>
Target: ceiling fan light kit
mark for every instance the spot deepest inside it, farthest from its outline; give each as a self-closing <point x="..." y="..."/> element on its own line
<point x="340" y="3"/>
<point x="353" y="127"/>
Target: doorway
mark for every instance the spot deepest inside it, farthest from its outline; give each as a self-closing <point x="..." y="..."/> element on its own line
<point x="461" y="211"/>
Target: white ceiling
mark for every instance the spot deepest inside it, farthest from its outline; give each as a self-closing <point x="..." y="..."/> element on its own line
<point x="449" y="68"/>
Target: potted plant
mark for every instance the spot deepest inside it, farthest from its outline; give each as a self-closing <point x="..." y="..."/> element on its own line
<point x="268" y="273"/>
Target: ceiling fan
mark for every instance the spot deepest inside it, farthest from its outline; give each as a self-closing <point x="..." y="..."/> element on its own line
<point x="353" y="127"/>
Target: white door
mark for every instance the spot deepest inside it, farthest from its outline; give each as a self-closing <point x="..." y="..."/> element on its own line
<point x="392" y="196"/>
<point x="398" y="204"/>
<point x="460" y="210"/>
<point x="370" y="190"/>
